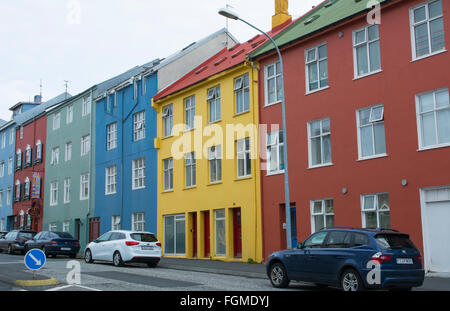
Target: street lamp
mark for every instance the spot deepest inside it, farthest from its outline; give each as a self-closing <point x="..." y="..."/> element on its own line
<point x="230" y="14"/>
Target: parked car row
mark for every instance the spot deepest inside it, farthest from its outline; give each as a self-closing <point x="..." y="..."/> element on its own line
<point x="119" y="247"/>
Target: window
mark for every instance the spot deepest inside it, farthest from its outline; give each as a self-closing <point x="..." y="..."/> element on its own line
<point x="38" y="151"/>
<point x="10" y="165"/>
<point x="68" y="152"/>
<point x="55" y="156"/>
<point x="54" y="193"/>
<point x="110" y="180"/>
<point x="52" y="227"/>
<point x="338" y="239"/>
<point x="167" y="115"/>
<point x="69" y="114"/>
<point x="115" y="222"/>
<point x="433" y="118"/>
<point x="214" y="104"/>
<point x="175" y="235"/>
<point x="85" y="145"/>
<point x="17" y="191"/>
<point x="28" y="156"/>
<point x="215" y="164"/>
<point x="84" y="186"/>
<point x="427" y="29"/>
<point x="168" y="174"/>
<point x="27" y="189"/>
<point x="11" y="136"/>
<point x="138" y="126"/>
<point x="371" y="136"/>
<point x="67" y="190"/>
<point x="316" y="68"/>
<point x="1" y="198"/>
<point x="375" y="211"/>
<point x="56" y="120"/>
<point x="189" y="112"/>
<point x="366" y="51"/>
<point x="322" y="214"/>
<point x="139" y="173"/>
<point x="319" y="142"/>
<point x="220" y="232"/>
<point x="242" y="94"/>
<point x="86" y="106"/>
<point x="275" y="152"/>
<point x="66" y="226"/>
<point x="244" y="164"/>
<point x="18" y="160"/>
<point x="3" y="140"/>
<point x="273" y="84"/>
<point x="21" y="132"/>
<point x="111" y="136"/>
<point x="138" y="222"/>
<point x="190" y="169"/>
<point x="2" y="169"/>
<point x="8" y="196"/>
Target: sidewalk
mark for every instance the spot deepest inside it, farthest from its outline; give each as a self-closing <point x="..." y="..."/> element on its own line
<point x="253" y="270"/>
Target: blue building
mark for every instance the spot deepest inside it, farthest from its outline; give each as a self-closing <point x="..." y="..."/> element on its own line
<point x="7" y="153"/>
<point x="126" y="160"/>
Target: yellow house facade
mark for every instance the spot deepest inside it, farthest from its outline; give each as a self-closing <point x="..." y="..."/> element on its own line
<point x="208" y="162"/>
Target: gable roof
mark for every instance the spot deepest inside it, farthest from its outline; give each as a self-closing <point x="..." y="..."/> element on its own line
<point x="226" y="59"/>
<point x="30" y="114"/>
<point x="326" y="14"/>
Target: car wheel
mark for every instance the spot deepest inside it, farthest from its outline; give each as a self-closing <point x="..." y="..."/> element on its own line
<point x="351" y="281"/>
<point x="278" y="276"/>
<point x="10" y="250"/>
<point x="152" y="264"/>
<point x="117" y="259"/>
<point x="88" y="256"/>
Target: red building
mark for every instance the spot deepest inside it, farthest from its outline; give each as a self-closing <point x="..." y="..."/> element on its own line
<point x="29" y="166"/>
<point x="368" y="123"/>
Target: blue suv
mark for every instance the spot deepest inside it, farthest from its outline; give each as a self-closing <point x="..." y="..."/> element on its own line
<point x="352" y="259"/>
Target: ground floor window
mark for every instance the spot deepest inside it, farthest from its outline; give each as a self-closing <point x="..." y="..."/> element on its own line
<point x="115" y="222"/>
<point x="138" y="222"/>
<point x="52" y="227"/>
<point x="375" y="211"/>
<point x="220" y="232"/>
<point x="66" y="226"/>
<point x="175" y="235"/>
<point x="322" y="214"/>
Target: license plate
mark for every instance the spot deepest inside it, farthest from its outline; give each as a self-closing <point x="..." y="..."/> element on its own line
<point x="404" y="261"/>
<point x="147" y="248"/>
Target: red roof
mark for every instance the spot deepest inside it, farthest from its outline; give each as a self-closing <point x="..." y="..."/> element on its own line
<point x="225" y="59"/>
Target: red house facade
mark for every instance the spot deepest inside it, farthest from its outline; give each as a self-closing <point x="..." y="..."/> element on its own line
<point x="368" y="125"/>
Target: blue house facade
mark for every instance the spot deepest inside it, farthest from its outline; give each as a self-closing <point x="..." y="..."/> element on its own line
<point x="126" y="160"/>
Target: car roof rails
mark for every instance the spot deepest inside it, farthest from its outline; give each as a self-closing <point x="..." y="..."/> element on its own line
<point x="342" y="227"/>
<point x="364" y="229"/>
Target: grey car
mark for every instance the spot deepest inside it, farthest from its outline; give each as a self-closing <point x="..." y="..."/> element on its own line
<point x="15" y="240"/>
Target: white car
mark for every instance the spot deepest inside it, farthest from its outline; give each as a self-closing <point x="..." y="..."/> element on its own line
<point x="120" y="246"/>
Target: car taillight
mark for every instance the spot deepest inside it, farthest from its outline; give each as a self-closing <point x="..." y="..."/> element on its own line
<point x="158" y="244"/>
<point x="77" y="243"/>
<point x="381" y="258"/>
<point x="131" y="243"/>
<point x="53" y="243"/>
<point x="419" y="259"/>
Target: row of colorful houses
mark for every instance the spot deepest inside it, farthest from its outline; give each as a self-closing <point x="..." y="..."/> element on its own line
<point x="191" y="146"/>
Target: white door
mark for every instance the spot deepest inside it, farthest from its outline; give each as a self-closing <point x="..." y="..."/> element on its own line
<point x="436" y="211"/>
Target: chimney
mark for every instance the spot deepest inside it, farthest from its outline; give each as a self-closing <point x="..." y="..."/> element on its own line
<point x="38" y="99"/>
<point x="281" y="13"/>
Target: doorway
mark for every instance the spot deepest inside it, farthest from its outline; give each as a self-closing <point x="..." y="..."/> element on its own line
<point x="206" y="236"/>
<point x="237" y="233"/>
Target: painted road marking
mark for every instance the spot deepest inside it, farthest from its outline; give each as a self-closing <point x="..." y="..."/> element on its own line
<point x="68" y="286"/>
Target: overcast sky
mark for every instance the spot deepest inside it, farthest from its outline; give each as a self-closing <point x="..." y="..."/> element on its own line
<point x="89" y="41"/>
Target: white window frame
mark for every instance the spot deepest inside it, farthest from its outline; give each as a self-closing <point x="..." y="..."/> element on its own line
<point x="111" y="136"/>
<point x="2" y="169"/>
<point x="69" y="114"/>
<point x="111" y="180"/>
<point x="138" y="174"/>
<point x="17" y="191"/>
<point x="276" y="76"/>
<point x="215" y="155"/>
<point x="427" y="20"/>
<point x="68" y="152"/>
<point x="167" y="117"/>
<point x="27" y="188"/>
<point x="168" y="174"/>
<point x="66" y="226"/>
<point x="376" y="207"/>
<point x="10" y="165"/>
<point x="85" y="145"/>
<point x="28" y="156"/>
<point x="11" y="136"/>
<point x="8" y="196"/>
<point x="241" y="87"/>
<point x="56" y="121"/>
<point x="176" y="219"/>
<point x="316" y="61"/>
<point x="243" y="152"/>
<point x="1" y="197"/>
<point x="322" y="135"/>
<point x="275" y="144"/>
<point x="214" y="104"/>
<point x="139" y="126"/>
<point x="323" y="213"/>
<point x="367" y="42"/>
<point x="67" y="191"/>
<point x="3" y="140"/>
<point x="38" y="151"/>
<point x="372" y="124"/>
<point x="54" y="193"/>
<point x="86" y="106"/>
<point x="189" y="113"/>
<point x="435" y="110"/>
<point x="138" y="222"/>
<point x="115" y="222"/>
<point x="19" y="159"/>
<point x="190" y="166"/>
<point x="55" y="156"/>
<point x="84" y="182"/>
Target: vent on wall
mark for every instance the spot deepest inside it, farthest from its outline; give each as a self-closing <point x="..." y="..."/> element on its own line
<point x="330" y="3"/>
<point x="311" y="19"/>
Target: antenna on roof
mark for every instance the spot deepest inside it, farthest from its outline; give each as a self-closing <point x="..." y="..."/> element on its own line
<point x="66" y="83"/>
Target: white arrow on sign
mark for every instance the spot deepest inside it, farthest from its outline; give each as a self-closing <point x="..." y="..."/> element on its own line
<point x="38" y="262"/>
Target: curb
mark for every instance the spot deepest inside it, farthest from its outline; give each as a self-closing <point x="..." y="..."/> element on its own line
<point x="253" y="275"/>
<point x="29" y="283"/>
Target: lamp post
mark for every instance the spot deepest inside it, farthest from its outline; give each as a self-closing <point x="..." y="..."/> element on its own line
<point x="230" y="14"/>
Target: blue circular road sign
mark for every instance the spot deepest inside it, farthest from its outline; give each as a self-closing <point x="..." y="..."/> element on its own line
<point x="35" y="259"/>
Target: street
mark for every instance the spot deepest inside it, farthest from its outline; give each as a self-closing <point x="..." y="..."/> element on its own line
<point x="170" y="275"/>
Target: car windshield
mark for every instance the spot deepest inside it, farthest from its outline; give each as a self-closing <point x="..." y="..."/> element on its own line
<point x="26" y="235"/>
<point x="394" y="241"/>
<point x="144" y="237"/>
<point x="63" y="235"/>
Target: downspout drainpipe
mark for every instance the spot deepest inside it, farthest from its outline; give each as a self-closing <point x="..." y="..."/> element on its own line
<point x="90" y="167"/>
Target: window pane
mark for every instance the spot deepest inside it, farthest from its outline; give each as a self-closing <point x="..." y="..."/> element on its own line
<point x="318" y="222"/>
<point x="437" y="35"/>
<point x="383" y="201"/>
<point x="420" y="14"/>
<point x="316" y="152"/>
<point x="374" y="52"/>
<point x="315" y="128"/>
<point x="371" y="219"/>
<point x="326" y="149"/>
<point x="421" y="38"/>
<point x="360" y="36"/>
<point x="373" y="32"/>
<point x="246" y="99"/>
<point x="442" y="99"/>
<point x="180" y="237"/>
<point x="362" y="59"/>
<point x="313" y="76"/>
<point x="366" y="141"/>
<point x="326" y="126"/>
<point x="311" y="55"/>
<point x="329" y="221"/>
<point x="385" y="220"/>
<point x="271" y="90"/>
<point x="426" y="102"/>
<point x="435" y="9"/>
<point x="443" y="126"/>
<point x="323" y="71"/>
<point x="169" y="237"/>
<point x="364" y="116"/>
<point x="428" y="129"/>
<point x="271" y="70"/>
<point x="380" y="142"/>
<point x="323" y="51"/>
<point x="279" y="88"/>
<point x="369" y="202"/>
